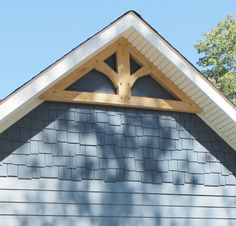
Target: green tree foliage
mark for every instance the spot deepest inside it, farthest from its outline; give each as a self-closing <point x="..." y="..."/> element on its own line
<point x="218" y="56"/>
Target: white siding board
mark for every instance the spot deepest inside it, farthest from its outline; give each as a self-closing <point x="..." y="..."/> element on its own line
<point x="188" y="87"/>
<point x="160" y="63"/>
<point x="231" y="136"/>
<point x="174" y="76"/>
<point x="150" y="52"/>
<point x="223" y="120"/>
<point x="146" y="48"/>
<point x="233" y="141"/>
<point x="128" y="33"/>
<point x="164" y="64"/>
<point x="179" y="80"/>
<point x="228" y="127"/>
<point x="202" y="101"/>
<point x="166" y="69"/>
<point x="142" y="45"/>
<point x="197" y="95"/>
<point x="193" y="91"/>
<point x="205" y="103"/>
<point x="230" y="133"/>
<point x="137" y="42"/>
<point x="210" y="111"/>
<point x="215" y="115"/>
<point x="133" y="36"/>
<point x="159" y="60"/>
<point x="184" y="84"/>
<point x="170" y="71"/>
<point x="154" y="56"/>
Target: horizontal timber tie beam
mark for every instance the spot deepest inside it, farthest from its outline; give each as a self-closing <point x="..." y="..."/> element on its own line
<point x="117" y="100"/>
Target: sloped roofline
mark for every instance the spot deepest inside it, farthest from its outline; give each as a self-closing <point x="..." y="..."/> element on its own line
<point x="25" y="98"/>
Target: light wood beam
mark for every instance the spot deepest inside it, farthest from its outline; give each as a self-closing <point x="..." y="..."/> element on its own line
<point x="138" y="74"/>
<point x="105" y="69"/>
<point x="123" y="68"/>
<point x="115" y="100"/>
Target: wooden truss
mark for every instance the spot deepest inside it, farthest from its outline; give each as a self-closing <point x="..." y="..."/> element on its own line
<point x="123" y="81"/>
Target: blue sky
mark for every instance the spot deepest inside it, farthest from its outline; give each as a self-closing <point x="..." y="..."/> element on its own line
<point x="36" y="33"/>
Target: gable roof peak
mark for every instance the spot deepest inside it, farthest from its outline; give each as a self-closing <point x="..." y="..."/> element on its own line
<point x="217" y="112"/>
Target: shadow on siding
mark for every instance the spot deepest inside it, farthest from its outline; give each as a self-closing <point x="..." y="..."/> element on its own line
<point x="115" y="146"/>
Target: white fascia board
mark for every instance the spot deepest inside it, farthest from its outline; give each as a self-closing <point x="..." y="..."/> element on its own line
<point x="189" y="71"/>
<point x="11" y="108"/>
<point x="21" y="111"/>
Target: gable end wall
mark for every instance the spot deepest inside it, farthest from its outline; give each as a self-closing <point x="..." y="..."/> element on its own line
<point x="140" y="150"/>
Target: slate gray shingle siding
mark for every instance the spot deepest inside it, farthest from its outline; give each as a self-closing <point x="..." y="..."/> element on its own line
<point x="81" y="142"/>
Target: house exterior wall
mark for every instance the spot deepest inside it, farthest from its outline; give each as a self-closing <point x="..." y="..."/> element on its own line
<point x="95" y="165"/>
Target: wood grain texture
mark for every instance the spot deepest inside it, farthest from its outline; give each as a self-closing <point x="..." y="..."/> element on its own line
<point x="123" y="81"/>
<point x="117" y="100"/>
